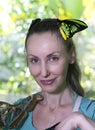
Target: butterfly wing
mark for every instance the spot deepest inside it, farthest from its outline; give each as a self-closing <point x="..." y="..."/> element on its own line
<point x="20" y="110"/>
<point x="71" y="26"/>
<point x="76" y="25"/>
<point x="13" y="115"/>
<point x="9" y="113"/>
<point x="4" y="112"/>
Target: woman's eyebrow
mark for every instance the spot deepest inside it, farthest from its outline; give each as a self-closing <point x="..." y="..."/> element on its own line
<point x="48" y="55"/>
<point x="54" y="53"/>
<point x="28" y="55"/>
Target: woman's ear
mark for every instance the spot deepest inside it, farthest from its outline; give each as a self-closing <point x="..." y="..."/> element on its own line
<point x="72" y="56"/>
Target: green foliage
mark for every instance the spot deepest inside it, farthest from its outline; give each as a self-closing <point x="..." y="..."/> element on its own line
<point x="16" y="16"/>
<point x="75" y="7"/>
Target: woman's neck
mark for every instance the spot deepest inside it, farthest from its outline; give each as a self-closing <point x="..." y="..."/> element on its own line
<point x="54" y="101"/>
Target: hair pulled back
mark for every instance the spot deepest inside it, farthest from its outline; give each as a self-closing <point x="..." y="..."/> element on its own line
<point x="51" y="25"/>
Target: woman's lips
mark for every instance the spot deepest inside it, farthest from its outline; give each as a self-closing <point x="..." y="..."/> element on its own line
<point x="47" y="82"/>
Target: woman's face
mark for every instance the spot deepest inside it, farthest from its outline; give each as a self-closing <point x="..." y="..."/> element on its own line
<point x="48" y="61"/>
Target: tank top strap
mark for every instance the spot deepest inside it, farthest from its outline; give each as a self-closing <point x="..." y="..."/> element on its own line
<point x="77" y="104"/>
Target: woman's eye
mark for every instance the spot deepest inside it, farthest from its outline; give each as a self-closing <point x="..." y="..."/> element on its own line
<point x="34" y="60"/>
<point x="54" y="58"/>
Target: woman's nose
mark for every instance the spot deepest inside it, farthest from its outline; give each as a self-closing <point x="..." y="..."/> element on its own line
<point x="44" y="70"/>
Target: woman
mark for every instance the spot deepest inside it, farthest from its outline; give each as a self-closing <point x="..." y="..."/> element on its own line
<point x="52" y="61"/>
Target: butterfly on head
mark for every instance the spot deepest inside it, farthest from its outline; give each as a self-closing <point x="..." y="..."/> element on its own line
<point x="68" y="27"/>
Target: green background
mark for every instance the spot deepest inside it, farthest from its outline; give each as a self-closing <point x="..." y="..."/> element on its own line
<point x="15" y="17"/>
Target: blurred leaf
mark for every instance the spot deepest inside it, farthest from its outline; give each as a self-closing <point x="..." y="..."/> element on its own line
<point x="75" y="7"/>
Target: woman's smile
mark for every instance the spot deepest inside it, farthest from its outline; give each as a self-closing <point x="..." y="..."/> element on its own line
<point x="47" y="82"/>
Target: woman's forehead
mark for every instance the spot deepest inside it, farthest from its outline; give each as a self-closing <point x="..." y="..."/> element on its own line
<point x="44" y="41"/>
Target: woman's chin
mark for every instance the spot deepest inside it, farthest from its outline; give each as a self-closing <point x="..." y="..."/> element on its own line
<point x="49" y="89"/>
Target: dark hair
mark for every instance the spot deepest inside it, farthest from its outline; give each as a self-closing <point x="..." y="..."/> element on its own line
<point x="51" y="25"/>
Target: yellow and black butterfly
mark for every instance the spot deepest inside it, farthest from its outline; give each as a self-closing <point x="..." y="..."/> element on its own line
<point x="69" y="27"/>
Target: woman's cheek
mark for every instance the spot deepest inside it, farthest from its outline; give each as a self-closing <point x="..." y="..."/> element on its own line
<point x="34" y="71"/>
<point x="59" y="69"/>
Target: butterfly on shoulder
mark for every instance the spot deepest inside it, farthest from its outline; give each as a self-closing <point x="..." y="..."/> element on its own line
<point x="13" y="115"/>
